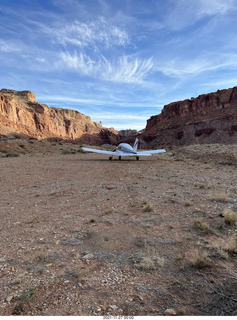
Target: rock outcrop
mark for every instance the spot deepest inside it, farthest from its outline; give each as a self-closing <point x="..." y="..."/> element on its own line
<point x="21" y="114"/>
<point x="209" y="118"/>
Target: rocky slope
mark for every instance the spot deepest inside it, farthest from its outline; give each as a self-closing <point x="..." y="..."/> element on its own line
<point x="21" y="114"/>
<point x="209" y="118"/>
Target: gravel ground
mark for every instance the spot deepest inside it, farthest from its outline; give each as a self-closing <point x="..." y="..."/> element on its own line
<point x="81" y="235"/>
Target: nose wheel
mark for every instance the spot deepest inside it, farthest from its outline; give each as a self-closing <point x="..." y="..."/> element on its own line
<point x="110" y="158"/>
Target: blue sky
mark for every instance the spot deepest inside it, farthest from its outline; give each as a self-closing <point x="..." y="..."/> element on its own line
<point x="118" y="61"/>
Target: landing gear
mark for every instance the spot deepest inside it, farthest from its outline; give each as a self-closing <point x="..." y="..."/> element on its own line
<point x="137" y="158"/>
<point x="110" y="158"/>
<point x="119" y="157"/>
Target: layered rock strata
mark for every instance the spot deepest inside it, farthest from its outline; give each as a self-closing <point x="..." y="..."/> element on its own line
<point x="21" y="114"/>
<point x="209" y="118"/>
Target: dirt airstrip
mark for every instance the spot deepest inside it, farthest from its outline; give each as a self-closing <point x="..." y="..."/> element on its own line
<point x="81" y="235"/>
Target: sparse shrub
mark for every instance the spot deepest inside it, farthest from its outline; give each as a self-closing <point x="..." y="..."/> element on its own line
<point x="230" y="217"/>
<point x="12" y="155"/>
<point x="187" y="203"/>
<point x="203" y="226"/>
<point x="23" y="300"/>
<point x="74" y="275"/>
<point x="40" y="258"/>
<point x="220" y="197"/>
<point x="92" y="220"/>
<point x="66" y="152"/>
<point x="201" y="186"/>
<point x="159" y="261"/>
<point x="106" y="212"/>
<point x="178" y="258"/>
<point x="223" y="247"/>
<point x="202" y="209"/>
<point x="231" y="245"/>
<point x="145" y="264"/>
<point x="148" y="208"/>
<point x="222" y="253"/>
<point x="201" y="259"/>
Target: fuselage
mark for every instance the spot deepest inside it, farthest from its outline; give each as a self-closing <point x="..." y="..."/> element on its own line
<point x="125" y="147"/>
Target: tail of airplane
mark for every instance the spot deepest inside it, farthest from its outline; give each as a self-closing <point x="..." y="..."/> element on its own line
<point x="135" y="145"/>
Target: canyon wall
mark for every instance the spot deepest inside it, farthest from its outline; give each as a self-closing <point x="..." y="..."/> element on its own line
<point x="21" y="114"/>
<point x="209" y="118"/>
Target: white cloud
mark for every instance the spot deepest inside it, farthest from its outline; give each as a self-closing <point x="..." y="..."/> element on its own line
<point x="211" y="62"/>
<point x="127" y="70"/>
<point x="124" y="70"/>
<point x="94" y="34"/>
<point x="9" y="46"/>
<point x="213" y="7"/>
<point x="102" y="101"/>
<point x="187" y="12"/>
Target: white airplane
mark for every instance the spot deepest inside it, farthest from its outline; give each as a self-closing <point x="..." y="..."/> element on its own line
<point x="125" y="150"/>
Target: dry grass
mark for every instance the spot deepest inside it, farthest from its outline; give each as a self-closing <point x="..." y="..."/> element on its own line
<point x="200" y="259"/>
<point x="219" y="197"/>
<point x="200" y="225"/>
<point x="187" y="203"/>
<point x="146" y="263"/>
<point x="107" y="211"/>
<point x="230" y="217"/>
<point x="148" y="208"/>
<point x="230" y="245"/>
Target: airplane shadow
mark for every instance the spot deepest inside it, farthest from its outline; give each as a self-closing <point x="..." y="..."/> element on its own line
<point x="115" y="160"/>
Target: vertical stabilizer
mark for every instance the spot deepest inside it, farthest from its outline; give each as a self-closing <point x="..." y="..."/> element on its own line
<point x="135" y="145"/>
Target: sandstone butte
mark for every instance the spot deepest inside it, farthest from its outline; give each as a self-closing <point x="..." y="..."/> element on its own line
<point x="22" y="116"/>
<point x="209" y="118"/>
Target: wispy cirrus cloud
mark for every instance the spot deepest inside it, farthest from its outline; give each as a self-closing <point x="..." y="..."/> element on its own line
<point x="96" y="102"/>
<point x="188" y="12"/>
<point x="211" y="62"/>
<point x="124" y="70"/>
<point x="91" y="34"/>
<point x="128" y="70"/>
<point x="9" y="46"/>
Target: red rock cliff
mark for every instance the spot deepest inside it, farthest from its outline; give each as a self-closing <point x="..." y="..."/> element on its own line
<point x="20" y="113"/>
<point x="209" y="118"/>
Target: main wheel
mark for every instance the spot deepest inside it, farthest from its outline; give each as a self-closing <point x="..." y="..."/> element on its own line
<point x="137" y="158"/>
<point x="110" y="158"/>
<point x="119" y="157"/>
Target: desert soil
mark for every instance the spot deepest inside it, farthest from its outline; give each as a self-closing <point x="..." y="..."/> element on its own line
<point x="81" y="235"/>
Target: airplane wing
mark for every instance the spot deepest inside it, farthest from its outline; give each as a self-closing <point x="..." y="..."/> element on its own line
<point x="112" y="153"/>
<point x="142" y="153"/>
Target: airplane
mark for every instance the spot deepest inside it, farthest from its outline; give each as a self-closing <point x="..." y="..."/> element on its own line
<point x="125" y="150"/>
